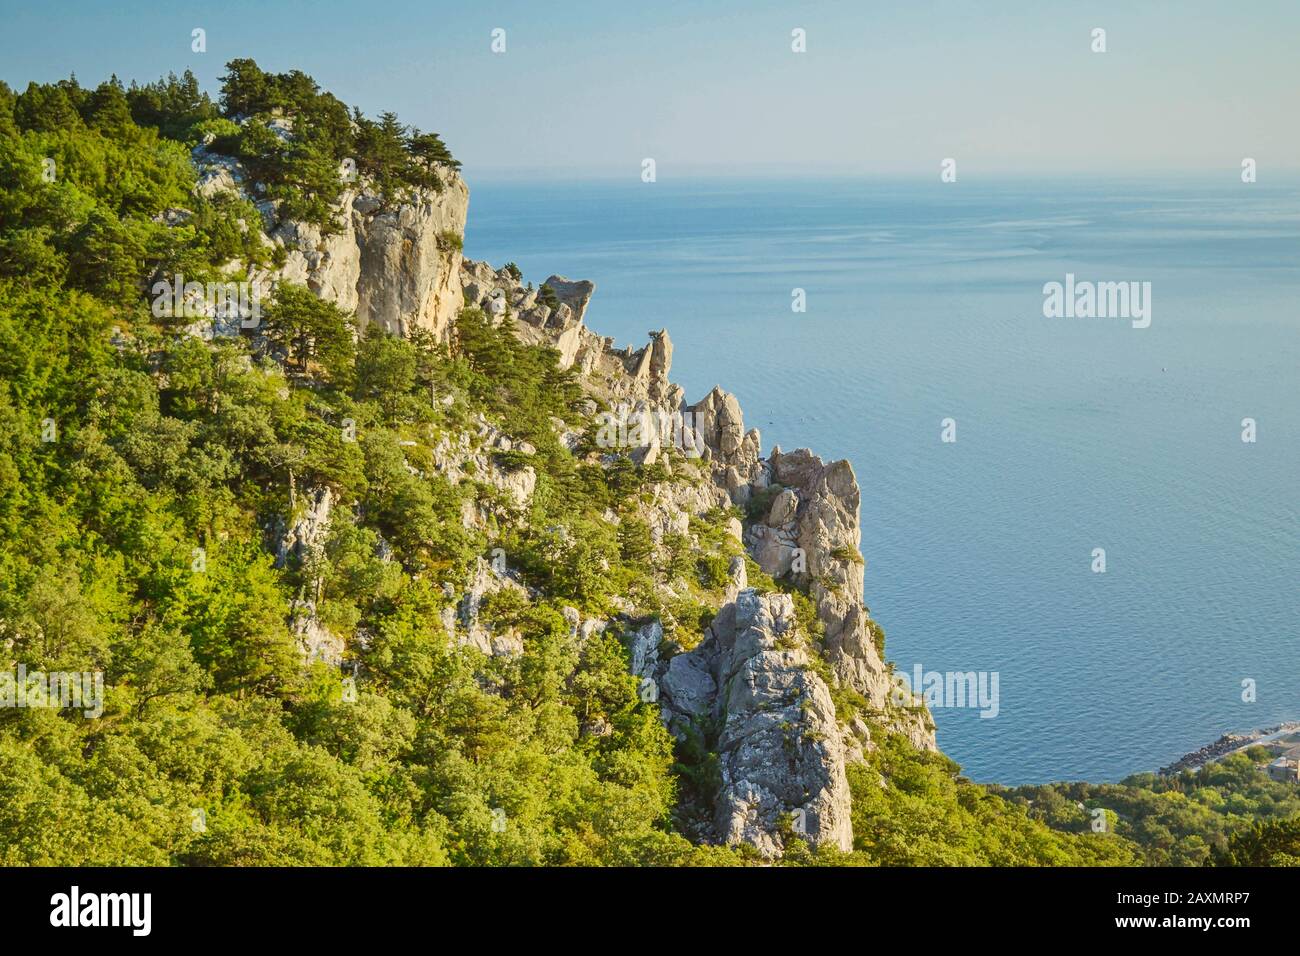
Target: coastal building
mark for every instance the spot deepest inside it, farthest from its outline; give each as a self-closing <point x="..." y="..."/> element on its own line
<point x="1286" y="768"/>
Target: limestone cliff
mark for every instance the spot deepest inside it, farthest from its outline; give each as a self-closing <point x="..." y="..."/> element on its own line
<point x="612" y="374"/>
<point x="814" y="516"/>
<point x="753" y="690"/>
<point x="780" y="748"/>
<point x="396" y="266"/>
<point x="749" y="689"/>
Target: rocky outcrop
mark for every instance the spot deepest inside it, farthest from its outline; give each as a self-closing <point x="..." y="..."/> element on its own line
<point x="807" y="533"/>
<point x="303" y="539"/>
<point x="473" y="454"/>
<point x="328" y="264"/>
<point x="810" y="535"/>
<point x="315" y="640"/>
<point x="671" y="504"/>
<point x="217" y="174"/>
<point x="302" y="542"/>
<point x="615" y="375"/>
<point x="732" y="451"/>
<point x="573" y="297"/>
<point x="498" y="291"/>
<point x="748" y="686"/>
<point x="396" y="266"/>
<point x="410" y="261"/>
<point x="463" y="622"/>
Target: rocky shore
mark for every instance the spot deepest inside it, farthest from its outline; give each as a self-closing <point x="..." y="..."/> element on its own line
<point x="1227" y="744"/>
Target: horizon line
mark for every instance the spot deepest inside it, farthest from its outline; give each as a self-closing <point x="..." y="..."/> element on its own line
<point x="1230" y="174"/>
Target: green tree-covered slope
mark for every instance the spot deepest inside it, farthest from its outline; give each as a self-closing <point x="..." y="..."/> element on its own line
<point x="145" y="475"/>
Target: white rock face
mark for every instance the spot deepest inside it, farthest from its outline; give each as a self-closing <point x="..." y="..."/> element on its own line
<point x="410" y="267"/>
<point x="397" y="267"/>
<point x="616" y="375"/>
<point x="732" y="451"/>
<point x="303" y="541"/>
<point x="780" y="749"/>
<point x="817" y="512"/>
<point x="738" y="578"/>
<point x="330" y="265"/>
<point x="672" y="503"/>
<point x="217" y="173"/>
<point x="315" y="640"/>
<point x="464" y="625"/>
<point x="460" y="459"/>
<point x="644" y="649"/>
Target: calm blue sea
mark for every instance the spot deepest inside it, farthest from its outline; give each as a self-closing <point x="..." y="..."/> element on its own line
<point x="925" y="302"/>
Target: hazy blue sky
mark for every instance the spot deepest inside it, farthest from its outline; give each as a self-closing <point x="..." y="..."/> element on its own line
<point x="593" y="87"/>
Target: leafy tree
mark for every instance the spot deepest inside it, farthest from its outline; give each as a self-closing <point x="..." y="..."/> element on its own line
<point x="385" y="366"/>
<point x="309" y="329"/>
<point x="245" y="89"/>
<point x="108" y="110"/>
<point x="381" y="153"/>
<point x="47" y="109"/>
<point x="1265" y="843"/>
<point x="174" y="105"/>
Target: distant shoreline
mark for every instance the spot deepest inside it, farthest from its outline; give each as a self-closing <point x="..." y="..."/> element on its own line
<point x="1225" y="745"/>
